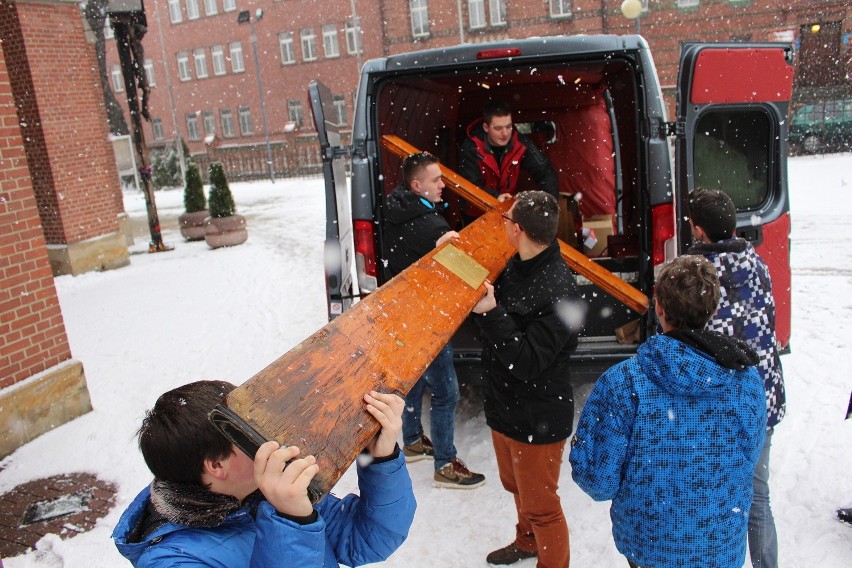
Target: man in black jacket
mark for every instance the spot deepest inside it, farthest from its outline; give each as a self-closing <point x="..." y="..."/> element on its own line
<point x="529" y="320"/>
<point x="413" y="227"/>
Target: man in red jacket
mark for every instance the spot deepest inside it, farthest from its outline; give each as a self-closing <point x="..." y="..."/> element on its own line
<point x="494" y="154"/>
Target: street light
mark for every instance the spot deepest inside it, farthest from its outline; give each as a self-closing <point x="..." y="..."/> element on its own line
<point x="242" y="18"/>
<point x="632" y="10"/>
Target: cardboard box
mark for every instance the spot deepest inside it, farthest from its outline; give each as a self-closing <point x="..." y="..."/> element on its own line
<point x="603" y="226"/>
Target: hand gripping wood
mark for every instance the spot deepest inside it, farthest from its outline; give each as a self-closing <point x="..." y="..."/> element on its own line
<point x="580" y="263"/>
<point x="312" y="396"/>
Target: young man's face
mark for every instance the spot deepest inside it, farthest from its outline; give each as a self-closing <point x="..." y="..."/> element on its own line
<point x="512" y="229"/>
<point x="499" y="130"/>
<point x="240" y="474"/>
<point x="428" y="184"/>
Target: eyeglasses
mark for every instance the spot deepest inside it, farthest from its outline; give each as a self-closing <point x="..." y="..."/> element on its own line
<point x="509" y="219"/>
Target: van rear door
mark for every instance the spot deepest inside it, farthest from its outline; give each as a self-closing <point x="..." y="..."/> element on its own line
<point x="732" y="105"/>
<point x="338" y="246"/>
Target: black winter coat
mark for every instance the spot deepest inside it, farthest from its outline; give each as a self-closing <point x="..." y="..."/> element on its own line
<point x="527" y="348"/>
<point x="412" y="225"/>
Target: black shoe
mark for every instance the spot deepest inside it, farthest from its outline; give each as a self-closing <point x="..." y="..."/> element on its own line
<point x="844" y="515"/>
<point x="508" y="555"/>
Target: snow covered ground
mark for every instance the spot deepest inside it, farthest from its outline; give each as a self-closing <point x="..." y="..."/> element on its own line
<point x="195" y="313"/>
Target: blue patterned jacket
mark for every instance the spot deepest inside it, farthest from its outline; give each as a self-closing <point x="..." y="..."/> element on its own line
<point x="747" y="311"/>
<point x="672" y="437"/>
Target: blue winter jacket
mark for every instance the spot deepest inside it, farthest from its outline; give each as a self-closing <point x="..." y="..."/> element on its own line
<point x="351" y="531"/>
<point x="672" y="438"/>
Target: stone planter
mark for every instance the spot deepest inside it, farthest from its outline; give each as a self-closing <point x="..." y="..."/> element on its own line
<point x="192" y="225"/>
<point x="225" y="231"/>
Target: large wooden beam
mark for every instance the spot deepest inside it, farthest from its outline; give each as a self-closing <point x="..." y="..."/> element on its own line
<point x="610" y="283"/>
<point x="312" y="396"/>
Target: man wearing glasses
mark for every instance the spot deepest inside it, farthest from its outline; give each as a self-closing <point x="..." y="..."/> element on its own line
<point x="529" y="320"/>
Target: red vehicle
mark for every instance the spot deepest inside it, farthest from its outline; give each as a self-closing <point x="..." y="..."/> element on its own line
<point x="594" y="106"/>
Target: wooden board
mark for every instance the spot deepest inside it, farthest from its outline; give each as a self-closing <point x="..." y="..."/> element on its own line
<point x="610" y="283"/>
<point x="312" y="396"/>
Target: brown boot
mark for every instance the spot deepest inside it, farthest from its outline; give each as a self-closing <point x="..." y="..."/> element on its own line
<point x="508" y="555"/>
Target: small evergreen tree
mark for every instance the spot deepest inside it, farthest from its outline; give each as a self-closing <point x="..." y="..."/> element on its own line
<point x="165" y="168"/>
<point x="193" y="193"/>
<point x="221" y="199"/>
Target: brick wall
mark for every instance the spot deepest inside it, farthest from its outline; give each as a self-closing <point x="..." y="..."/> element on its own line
<point x="73" y="167"/>
<point x="32" y="332"/>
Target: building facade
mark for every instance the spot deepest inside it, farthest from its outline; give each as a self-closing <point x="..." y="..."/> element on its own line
<point x="205" y="87"/>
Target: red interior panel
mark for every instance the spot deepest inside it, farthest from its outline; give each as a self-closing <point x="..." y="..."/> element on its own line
<point x="741" y="76"/>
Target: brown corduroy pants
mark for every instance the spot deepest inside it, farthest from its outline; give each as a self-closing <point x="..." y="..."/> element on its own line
<point x="530" y="472"/>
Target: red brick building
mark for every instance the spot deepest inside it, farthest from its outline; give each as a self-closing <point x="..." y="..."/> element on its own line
<point x="60" y="203"/>
<point x="201" y="60"/>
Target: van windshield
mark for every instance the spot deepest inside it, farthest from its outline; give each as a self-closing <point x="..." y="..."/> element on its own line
<point x="731" y="154"/>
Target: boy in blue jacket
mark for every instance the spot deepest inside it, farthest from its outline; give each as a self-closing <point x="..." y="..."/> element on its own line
<point x="672" y="435"/>
<point x="211" y="505"/>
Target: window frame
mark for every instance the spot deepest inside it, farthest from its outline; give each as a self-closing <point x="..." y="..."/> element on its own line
<point x="175" y="12"/>
<point x="148" y="65"/>
<point x="192" y="11"/>
<point x="246" y="122"/>
<point x="564" y="8"/>
<point x="330" y="40"/>
<point x="419" y="16"/>
<point x="295" y="112"/>
<point x="211" y="4"/>
<point x="235" y="54"/>
<point x="352" y="29"/>
<point x="117" y="78"/>
<point x="309" y="44"/>
<point x="184" y="73"/>
<point x="199" y="58"/>
<point x="500" y="19"/>
<point x="217" y="59"/>
<point x="157" y="128"/>
<point x="287" y="47"/>
<point x="229" y="5"/>
<point x="192" y="131"/>
<point x="227" y="123"/>
<point x="477" y="8"/>
<point x="208" y="121"/>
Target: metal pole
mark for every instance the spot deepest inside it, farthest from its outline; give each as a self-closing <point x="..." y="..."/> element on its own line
<point x="262" y="102"/>
<point x="461" y="21"/>
<point x="357" y="23"/>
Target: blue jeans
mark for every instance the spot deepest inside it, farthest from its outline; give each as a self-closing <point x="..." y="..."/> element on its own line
<point x="441" y="380"/>
<point x="762" y="539"/>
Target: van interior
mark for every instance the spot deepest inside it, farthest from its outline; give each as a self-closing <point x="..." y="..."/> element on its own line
<point x="582" y="116"/>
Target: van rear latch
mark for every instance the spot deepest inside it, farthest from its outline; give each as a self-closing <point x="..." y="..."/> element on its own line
<point x="672" y="129"/>
<point x="334" y="152"/>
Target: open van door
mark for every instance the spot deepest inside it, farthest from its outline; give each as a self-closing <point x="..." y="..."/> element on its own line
<point x="731" y="128"/>
<point x="338" y="247"/>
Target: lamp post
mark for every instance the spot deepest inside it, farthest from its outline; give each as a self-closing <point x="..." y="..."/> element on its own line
<point x="632" y="10"/>
<point x="243" y="18"/>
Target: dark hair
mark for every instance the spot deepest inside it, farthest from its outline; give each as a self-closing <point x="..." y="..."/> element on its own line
<point x="714" y="211"/>
<point x="687" y="288"/>
<point x="495" y="108"/>
<point x="414" y="163"/>
<point x="176" y="436"/>
<point x="538" y="215"/>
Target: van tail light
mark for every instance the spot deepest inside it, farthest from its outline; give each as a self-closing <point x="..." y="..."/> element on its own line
<point x="365" y="256"/>
<point x="663" y="242"/>
<point x="498" y="53"/>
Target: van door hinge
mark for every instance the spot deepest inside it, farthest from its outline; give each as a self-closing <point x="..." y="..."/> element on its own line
<point x="676" y="129"/>
<point x="334" y="152"/>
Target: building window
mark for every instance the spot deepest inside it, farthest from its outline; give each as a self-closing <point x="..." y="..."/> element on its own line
<point x="237" y="64"/>
<point x="245" y="120"/>
<point x="340" y="107"/>
<point x="294" y="108"/>
<point x="149" y="73"/>
<point x="217" y="54"/>
<point x="108" y="32"/>
<point x="210" y="7"/>
<point x="183" y="66"/>
<point x="560" y="8"/>
<point x="200" y="57"/>
<point x="157" y="128"/>
<point x="227" y="120"/>
<point x="209" y="122"/>
<point x="419" y="17"/>
<point x="687" y="3"/>
<point x="498" y="12"/>
<point x="192" y="126"/>
<point x="476" y="14"/>
<point x="329" y="41"/>
<point x="229" y="5"/>
<point x="117" y="79"/>
<point x="644" y="5"/>
<point x="175" y="15"/>
<point x="192" y="9"/>
<point x="288" y="50"/>
<point x="309" y="44"/>
<point x="353" y="38"/>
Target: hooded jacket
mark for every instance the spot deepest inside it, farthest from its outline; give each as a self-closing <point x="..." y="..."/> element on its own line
<point x="479" y="165"/>
<point x="747" y="311"/>
<point x="526" y="349"/>
<point x="672" y="437"/>
<point x="412" y="225"/>
<point x="352" y="531"/>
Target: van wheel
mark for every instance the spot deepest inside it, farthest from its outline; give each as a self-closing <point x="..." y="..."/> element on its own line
<point x="812" y="144"/>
